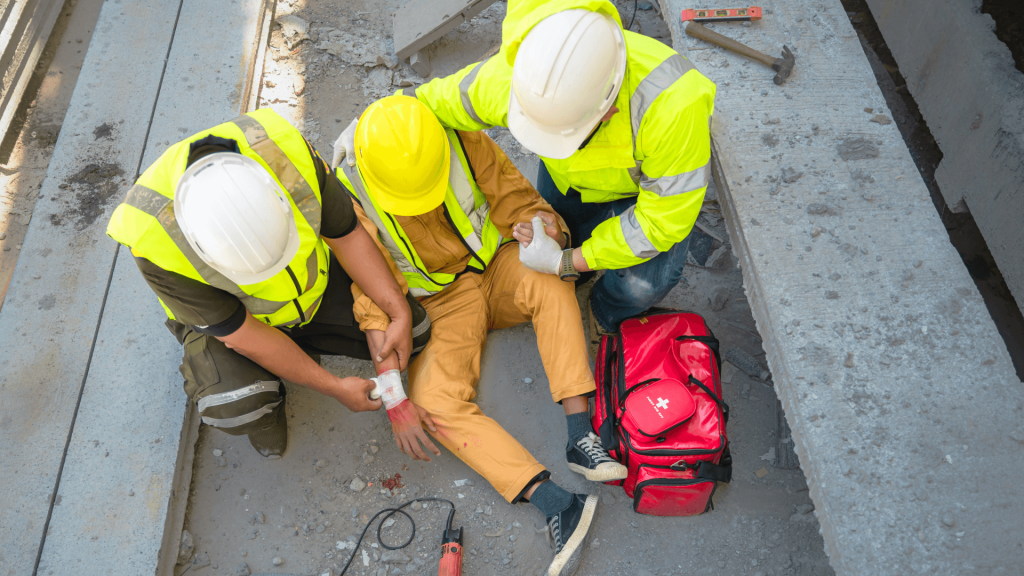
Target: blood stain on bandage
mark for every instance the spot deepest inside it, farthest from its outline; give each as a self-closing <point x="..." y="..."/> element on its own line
<point x="393" y="483"/>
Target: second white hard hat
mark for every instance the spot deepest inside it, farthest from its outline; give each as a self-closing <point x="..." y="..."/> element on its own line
<point x="236" y="217"/>
<point x="567" y="73"/>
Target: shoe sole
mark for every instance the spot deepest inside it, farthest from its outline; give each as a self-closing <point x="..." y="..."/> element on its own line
<point x="568" y="560"/>
<point x="605" y="472"/>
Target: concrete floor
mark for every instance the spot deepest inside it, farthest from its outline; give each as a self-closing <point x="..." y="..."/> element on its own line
<point x="246" y="510"/>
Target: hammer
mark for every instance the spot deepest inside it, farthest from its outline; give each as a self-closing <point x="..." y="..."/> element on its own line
<point x="782" y="66"/>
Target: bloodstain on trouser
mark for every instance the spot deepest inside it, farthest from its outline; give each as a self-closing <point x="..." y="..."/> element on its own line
<point x="444" y="376"/>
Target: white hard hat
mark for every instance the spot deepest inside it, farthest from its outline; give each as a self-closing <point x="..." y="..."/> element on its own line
<point x="566" y="76"/>
<point x="236" y="217"/>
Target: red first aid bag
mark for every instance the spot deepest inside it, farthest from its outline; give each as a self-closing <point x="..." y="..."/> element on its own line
<point x="659" y="411"/>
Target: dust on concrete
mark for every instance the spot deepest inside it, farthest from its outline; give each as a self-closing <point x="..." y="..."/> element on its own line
<point x="858" y="148"/>
<point x="91" y="190"/>
<point x="105" y="130"/>
<point x="308" y="508"/>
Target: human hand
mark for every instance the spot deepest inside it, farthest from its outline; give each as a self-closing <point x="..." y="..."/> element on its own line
<point x="397" y="338"/>
<point x="345" y="146"/>
<point x="407" y="420"/>
<point x="523" y="231"/>
<point x="542" y="254"/>
<point x="354" y="393"/>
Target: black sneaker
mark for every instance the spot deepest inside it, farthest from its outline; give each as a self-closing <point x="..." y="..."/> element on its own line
<point x="588" y="457"/>
<point x="569" y="529"/>
<point x="271" y="438"/>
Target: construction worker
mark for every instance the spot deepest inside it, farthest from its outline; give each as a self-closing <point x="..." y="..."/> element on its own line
<point x="621" y="122"/>
<point x="233" y="229"/>
<point x="441" y="205"/>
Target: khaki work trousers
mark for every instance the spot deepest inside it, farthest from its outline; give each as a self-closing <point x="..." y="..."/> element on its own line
<point x="444" y="376"/>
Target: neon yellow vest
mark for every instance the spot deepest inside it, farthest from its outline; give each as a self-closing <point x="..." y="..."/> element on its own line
<point x="145" y="220"/>
<point x="466" y="208"/>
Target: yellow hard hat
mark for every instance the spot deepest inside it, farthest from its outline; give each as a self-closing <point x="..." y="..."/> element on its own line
<point x="402" y="154"/>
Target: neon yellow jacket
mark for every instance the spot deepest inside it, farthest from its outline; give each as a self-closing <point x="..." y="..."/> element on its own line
<point x="657" y="147"/>
<point x="145" y="220"/>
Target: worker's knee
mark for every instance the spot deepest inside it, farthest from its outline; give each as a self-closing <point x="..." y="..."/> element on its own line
<point x="537" y="285"/>
<point x="240" y="410"/>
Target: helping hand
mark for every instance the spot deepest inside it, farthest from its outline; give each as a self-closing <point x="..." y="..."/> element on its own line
<point x="539" y="252"/>
<point x="407" y="420"/>
<point x="345" y="146"/>
<point x="354" y="393"/>
<point x="397" y="338"/>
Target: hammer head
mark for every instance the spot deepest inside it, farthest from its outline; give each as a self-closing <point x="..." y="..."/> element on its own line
<point x="783" y="66"/>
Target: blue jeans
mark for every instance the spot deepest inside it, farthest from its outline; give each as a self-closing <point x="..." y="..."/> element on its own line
<point x="621" y="293"/>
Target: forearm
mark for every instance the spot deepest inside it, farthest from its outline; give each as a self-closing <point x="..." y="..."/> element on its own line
<point x="375" y="339"/>
<point x="359" y="256"/>
<point x="277" y="353"/>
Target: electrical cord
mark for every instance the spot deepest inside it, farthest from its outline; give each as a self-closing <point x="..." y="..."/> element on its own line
<point x="635" y="4"/>
<point x="391" y="512"/>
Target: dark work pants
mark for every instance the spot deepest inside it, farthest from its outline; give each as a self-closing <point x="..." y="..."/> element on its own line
<point x="238" y="395"/>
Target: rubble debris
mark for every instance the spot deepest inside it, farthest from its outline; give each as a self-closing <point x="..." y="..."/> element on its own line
<point x="761" y="472"/>
<point x="746" y="363"/>
<point x="357" y="485"/>
<point x="294" y="30"/>
<point x="720" y="299"/>
<point x="186" y="549"/>
<point x="201" y="560"/>
<point x="277" y="561"/>
<point x="242" y="570"/>
<point x="880" y="119"/>
<point x="857" y="149"/>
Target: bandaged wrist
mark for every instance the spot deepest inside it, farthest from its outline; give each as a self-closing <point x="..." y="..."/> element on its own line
<point x="389" y="389"/>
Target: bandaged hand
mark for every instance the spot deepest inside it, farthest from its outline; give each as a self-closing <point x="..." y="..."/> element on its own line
<point x="345" y="146"/>
<point x="389" y="389"/>
<point x="542" y="254"/>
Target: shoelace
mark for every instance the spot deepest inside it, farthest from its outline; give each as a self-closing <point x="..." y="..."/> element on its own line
<point x="556" y="534"/>
<point x="591" y="444"/>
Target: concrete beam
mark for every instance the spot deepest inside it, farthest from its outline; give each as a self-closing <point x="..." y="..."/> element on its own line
<point x="123" y="513"/>
<point x="972" y="97"/>
<point x="904" y="406"/>
<point x="420" y="22"/>
<point x="52" y="309"/>
<point x="25" y="27"/>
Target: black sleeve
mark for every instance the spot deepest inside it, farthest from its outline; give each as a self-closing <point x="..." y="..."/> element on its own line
<point x="207" y="309"/>
<point x="337" y="216"/>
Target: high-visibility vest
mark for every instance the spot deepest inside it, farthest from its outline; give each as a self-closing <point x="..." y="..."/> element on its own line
<point x="465" y="207"/>
<point x="145" y="220"/>
<point x="656" y="147"/>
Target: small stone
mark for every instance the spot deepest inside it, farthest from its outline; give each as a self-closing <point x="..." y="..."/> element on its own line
<point x="917" y="263"/>
<point x="253" y="533"/>
<point x="368" y="458"/>
<point x="720" y="299"/>
<point x="789" y="175"/>
<point x="357" y="485"/>
<point x="478" y="510"/>
<point x="761" y="472"/>
<point x="805" y="508"/>
<point x="201" y="560"/>
<point x="366" y="558"/>
<point x="374" y="449"/>
<point x="186" y="549"/>
<point x="466" y="482"/>
<point x="320" y="529"/>
<point x="277" y="561"/>
<point x="242" y="570"/>
<point x="394" y="557"/>
<point x="831" y="295"/>
<point x="220" y="461"/>
<point x="880" y="119"/>
<point x="948" y="520"/>
<point x="298" y="85"/>
<point x="849" y="360"/>
<point x="769" y="455"/>
<point x="869" y="110"/>
<point x="488" y="511"/>
<point x="218" y="452"/>
<point x="3" y="235"/>
<point x="528" y="380"/>
<point x="261" y="518"/>
<point x="131" y="492"/>
<point x="416" y="506"/>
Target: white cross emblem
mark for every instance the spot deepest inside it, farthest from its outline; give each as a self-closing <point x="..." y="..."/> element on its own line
<point x="662" y="403"/>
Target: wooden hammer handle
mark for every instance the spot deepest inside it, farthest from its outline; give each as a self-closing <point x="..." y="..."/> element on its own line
<point x="698" y="30"/>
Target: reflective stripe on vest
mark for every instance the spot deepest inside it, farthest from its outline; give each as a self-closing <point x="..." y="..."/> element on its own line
<point x="467" y="210"/>
<point x="298" y="301"/>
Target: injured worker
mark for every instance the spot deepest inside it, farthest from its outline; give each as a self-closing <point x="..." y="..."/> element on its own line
<point x="442" y="206"/>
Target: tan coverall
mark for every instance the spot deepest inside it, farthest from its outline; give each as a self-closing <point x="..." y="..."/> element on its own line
<point x="443" y="378"/>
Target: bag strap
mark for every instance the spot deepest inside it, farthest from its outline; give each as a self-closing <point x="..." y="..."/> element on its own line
<point x="721" y="472"/>
<point x="607" y="430"/>
<point x="721" y="405"/>
<point x="634" y="387"/>
<point x="711" y="342"/>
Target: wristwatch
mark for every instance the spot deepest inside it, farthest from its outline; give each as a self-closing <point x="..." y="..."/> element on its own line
<point x="568" y="272"/>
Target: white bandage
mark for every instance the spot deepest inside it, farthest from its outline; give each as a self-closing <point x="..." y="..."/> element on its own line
<point x="543" y="254"/>
<point x="389" y="389"/>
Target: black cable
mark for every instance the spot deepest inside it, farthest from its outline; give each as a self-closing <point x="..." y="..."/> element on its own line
<point x="630" y="27"/>
<point x="391" y="512"/>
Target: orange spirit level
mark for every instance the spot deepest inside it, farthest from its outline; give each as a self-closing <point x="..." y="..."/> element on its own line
<point x="723" y="15"/>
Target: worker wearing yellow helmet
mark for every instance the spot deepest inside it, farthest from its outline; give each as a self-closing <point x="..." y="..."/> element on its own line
<point x="233" y="228"/>
<point x="441" y="205"/>
<point x="621" y="122"/>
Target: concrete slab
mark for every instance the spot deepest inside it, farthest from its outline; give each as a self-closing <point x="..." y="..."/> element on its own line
<point x="52" y="309"/>
<point x="129" y="463"/>
<point x="25" y="27"/>
<point x="886" y="361"/>
<point x="979" y="130"/>
<point x="420" y="22"/>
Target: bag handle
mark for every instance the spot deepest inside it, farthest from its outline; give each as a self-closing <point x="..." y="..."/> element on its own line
<point x="711" y="343"/>
<point x="721" y="405"/>
<point x="634" y="387"/>
<point x="704" y="470"/>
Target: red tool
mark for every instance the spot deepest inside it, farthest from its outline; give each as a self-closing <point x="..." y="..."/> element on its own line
<point x="723" y="15"/>
<point x="451" y="549"/>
